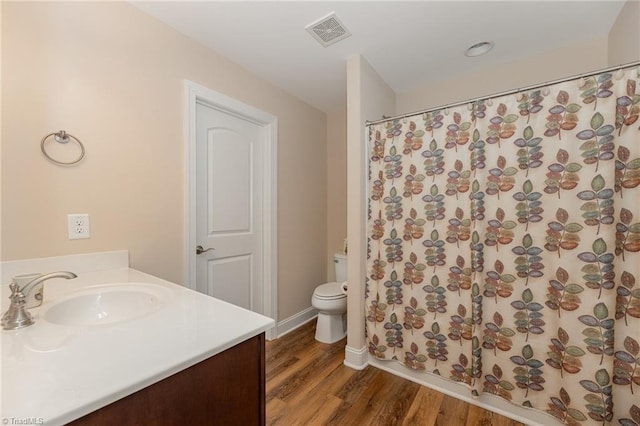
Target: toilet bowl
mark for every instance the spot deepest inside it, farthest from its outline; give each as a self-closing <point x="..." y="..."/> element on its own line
<point x="331" y="303"/>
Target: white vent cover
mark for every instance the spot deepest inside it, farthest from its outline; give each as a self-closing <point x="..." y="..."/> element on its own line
<point x="328" y="30"/>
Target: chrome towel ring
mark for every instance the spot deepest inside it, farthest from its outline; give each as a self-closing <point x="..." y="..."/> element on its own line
<point x="62" y="137"/>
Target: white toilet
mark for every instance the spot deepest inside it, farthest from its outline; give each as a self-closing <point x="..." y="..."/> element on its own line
<point x="331" y="303"/>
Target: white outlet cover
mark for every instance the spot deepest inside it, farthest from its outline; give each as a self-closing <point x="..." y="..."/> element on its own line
<point x="78" y="226"/>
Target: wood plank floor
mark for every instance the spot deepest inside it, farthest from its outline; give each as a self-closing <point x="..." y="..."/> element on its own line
<point x="307" y="384"/>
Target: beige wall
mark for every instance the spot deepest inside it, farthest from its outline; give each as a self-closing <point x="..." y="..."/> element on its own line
<point x="113" y="76"/>
<point x="624" y="37"/>
<point x="551" y="65"/>
<point x="368" y="98"/>
<point x="336" y="185"/>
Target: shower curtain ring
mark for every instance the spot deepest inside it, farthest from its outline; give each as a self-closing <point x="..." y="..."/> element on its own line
<point x="582" y="80"/>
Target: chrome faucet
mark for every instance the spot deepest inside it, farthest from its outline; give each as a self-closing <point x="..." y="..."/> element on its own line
<point x="17" y="315"/>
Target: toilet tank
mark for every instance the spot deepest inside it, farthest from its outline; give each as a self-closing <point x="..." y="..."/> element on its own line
<point x="340" y="267"/>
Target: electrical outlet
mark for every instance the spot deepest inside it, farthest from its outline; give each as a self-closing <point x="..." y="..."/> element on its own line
<point x="78" y="226"/>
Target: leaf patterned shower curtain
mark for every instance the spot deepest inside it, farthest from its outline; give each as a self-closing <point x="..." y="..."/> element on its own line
<point x="504" y="247"/>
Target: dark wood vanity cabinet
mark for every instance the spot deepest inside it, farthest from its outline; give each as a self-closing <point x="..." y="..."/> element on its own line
<point x="226" y="389"/>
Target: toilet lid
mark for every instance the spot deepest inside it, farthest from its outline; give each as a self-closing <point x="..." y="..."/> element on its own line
<point x="329" y="291"/>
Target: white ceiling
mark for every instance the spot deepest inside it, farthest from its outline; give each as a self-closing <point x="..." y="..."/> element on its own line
<point x="408" y="42"/>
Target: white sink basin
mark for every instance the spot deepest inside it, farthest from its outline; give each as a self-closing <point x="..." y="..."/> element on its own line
<point x="107" y="304"/>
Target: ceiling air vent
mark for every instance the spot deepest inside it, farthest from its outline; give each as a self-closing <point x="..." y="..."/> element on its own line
<point x="328" y="30"/>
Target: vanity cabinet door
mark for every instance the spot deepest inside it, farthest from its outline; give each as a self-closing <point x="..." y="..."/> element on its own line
<point x="226" y="389"/>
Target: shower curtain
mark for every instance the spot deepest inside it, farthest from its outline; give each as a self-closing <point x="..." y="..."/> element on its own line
<point x="504" y="246"/>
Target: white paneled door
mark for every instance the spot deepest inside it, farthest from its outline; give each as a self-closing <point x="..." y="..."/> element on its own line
<point x="229" y="199"/>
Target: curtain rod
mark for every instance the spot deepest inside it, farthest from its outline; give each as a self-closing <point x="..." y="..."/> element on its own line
<point x="508" y="92"/>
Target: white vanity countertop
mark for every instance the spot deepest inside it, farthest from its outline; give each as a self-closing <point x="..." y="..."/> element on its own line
<point x="54" y="374"/>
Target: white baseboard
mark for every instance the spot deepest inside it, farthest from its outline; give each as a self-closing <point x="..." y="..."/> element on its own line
<point x="287" y="325"/>
<point x="354" y="358"/>
<point x="489" y="402"/>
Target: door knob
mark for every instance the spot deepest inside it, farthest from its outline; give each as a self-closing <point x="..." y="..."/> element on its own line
<point x="200" y="250"/>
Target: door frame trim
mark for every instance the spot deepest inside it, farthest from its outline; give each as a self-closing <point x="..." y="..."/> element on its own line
<point x="194" y="93"/>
